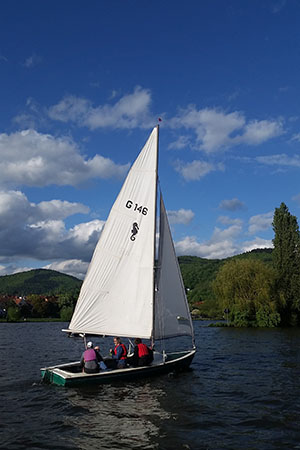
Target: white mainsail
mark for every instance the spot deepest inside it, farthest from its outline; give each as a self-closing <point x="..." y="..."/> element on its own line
<point x="172" y="314"/>
<point x="116" y="297"/>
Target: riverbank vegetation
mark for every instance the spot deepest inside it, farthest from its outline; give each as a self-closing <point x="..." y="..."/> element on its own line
<point x="257" y="289"/>
<point x="34" y="307"/>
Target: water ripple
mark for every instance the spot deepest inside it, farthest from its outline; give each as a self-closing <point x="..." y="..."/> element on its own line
<point x="243" y="392"/>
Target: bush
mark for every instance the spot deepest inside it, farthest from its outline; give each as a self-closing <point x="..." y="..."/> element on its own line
<point x="66" y="313"/>
<point x="13" y="314"/>
<point x="247" y="289"/>
<point x="266" y="318"/>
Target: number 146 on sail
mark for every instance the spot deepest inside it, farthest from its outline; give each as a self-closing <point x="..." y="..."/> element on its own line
<point x="136" y="207"/>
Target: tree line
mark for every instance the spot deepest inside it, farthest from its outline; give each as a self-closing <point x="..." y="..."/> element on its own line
<point x="253" y="293"/>
<point x="33" y="306"/>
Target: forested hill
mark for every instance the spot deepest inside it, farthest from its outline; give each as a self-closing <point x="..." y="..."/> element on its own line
<point x="198" y="273"/>
<point x="38" y="281"/>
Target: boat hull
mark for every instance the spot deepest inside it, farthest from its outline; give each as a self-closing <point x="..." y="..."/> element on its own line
<point x="67" y="374"/>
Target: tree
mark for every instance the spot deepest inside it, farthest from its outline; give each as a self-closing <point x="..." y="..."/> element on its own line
<point x="67" y="300"/>
<point x="13" y="313"/>
<point x="42" y="306"/>
<point x="66" y="303"/>
<point x="245" y="288"/>
<point x="66" y="313"/>
<point x="286" y="259"/>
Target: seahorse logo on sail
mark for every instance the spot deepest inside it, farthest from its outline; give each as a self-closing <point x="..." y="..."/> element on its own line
<point x="134" y="231"/>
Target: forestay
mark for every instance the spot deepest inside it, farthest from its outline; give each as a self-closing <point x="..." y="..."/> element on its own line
<point x="116" y="297"/>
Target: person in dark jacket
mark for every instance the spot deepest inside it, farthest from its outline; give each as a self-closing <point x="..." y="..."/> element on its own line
<point x="142" y="355"/>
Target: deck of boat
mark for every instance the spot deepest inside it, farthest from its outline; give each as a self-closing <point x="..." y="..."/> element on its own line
<point x="71" y="374"/>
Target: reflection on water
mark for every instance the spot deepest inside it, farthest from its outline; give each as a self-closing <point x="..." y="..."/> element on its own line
<point x="243" y="392"/>
<point x="118" y="416"/>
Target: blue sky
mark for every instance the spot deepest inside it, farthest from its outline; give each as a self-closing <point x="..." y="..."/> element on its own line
<point x="82" y="86"/>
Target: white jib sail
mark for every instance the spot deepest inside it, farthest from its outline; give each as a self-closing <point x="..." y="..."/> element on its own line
<point x="172" y="314"/>
<point x="116" y="297"/>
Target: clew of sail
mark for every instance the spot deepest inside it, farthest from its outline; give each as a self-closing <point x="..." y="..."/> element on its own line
<point x="172" y="314"/>
<point x="116" y="297"/>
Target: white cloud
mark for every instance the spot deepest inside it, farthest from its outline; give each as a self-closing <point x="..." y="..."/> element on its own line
<point x="15" y="208"/>
<point x="59" y="209"/>
<point x="32" y="117"/>
<point x="280" y="160"/>
<point x="37" y="231"/>
<point x="34" y="159"/>
<point x="3" y="270"/>
<point x="181" y="142"/>
<point x="260" y="222"/>
<point x="212" y="126"/>
<point x="196" y="169"/>
<point x="54" y="241"/>
<point x="296" y="137"/>
<point x="256" y="243"/>
<point x="225" y="220"/>
<point x="82" y="232"/>
<point x="228" y="233"/>
<point x="11" y="268"/>
<point x="183" y="216"/>
<point x="70" y="109"/>
<point x="131" y="111"/>
<point x="221" y="245"/>
<point x="209" y="250"/>
<point x="51" y="231"/>
<point x="257" y="132"/>
<point x="231" y="205"/>
<point x="26" y="120"/>
<point x="216" y="129"/>
<point x="73" y="267"/>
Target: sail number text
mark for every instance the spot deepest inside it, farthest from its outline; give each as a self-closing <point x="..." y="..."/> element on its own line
<point x="136" y="207"/>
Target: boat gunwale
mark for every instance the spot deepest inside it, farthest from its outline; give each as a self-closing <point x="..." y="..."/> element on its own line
<point x="65" y="375"/>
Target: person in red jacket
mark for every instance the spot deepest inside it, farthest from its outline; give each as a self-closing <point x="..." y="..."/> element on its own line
<point x="119" y="353"/>
<point x="143" y="355"/>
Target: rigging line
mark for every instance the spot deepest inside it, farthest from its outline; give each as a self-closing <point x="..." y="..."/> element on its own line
<point x="154" y="250"/>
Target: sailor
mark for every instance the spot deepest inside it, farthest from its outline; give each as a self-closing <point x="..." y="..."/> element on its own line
<point x="143" y="355"/>
<point x="90" y="359"/>
<point x="100" y="360"/>
<point x="119" y="353"/>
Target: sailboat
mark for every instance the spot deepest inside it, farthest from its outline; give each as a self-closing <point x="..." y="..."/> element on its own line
<point x="133" y="287"/>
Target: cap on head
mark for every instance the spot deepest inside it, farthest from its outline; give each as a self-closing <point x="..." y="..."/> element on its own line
<point x="89" y="344"/>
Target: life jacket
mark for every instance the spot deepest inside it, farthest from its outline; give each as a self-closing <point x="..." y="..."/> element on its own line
<point x="143" y="350"/>
<point x="89" y="355"/>
<point x="124" y="354"/>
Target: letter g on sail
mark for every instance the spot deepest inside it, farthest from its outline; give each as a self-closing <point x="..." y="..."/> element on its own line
<point x="134" y="231"/>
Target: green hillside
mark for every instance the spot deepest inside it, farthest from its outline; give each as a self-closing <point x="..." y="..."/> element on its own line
<point x="39" y="281"/>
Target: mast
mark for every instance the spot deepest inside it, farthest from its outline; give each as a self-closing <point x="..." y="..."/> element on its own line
<point x="154" y="252"/>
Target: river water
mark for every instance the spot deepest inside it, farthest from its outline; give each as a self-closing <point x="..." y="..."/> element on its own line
<point x="243" y="393"/>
